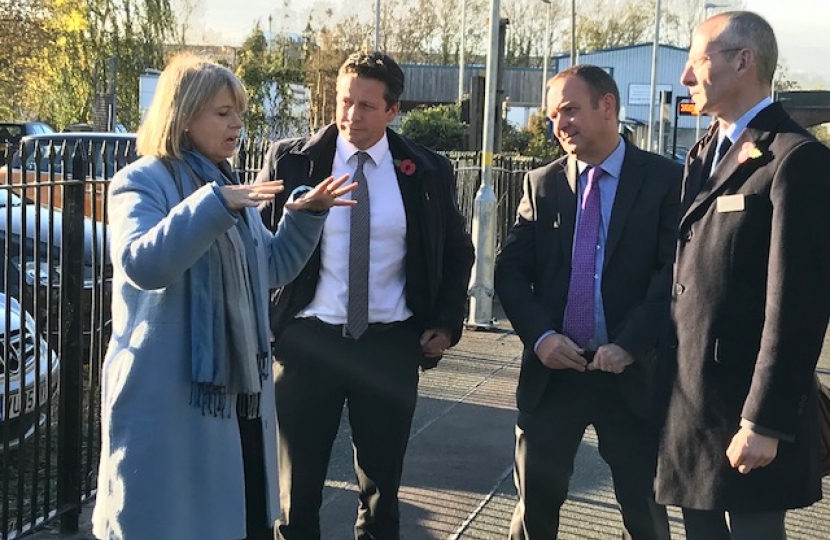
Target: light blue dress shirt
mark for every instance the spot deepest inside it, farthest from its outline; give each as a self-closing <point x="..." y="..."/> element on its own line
<point x="608" y="184"/>
<point x="734" y="131"/>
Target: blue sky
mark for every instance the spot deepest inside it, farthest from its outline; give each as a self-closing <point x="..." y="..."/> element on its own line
<point x="802" y="28"/>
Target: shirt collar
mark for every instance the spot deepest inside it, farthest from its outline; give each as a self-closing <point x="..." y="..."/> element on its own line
<point x="734" y="131"/>
<point x="612" y="164"/>
<point x="377" y="152"/>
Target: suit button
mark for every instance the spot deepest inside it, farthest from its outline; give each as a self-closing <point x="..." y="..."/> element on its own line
<point x="679" y="289"/>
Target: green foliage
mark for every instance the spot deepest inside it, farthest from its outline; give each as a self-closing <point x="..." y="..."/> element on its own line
<point x="531" y="140"/>
<point x="438" y="127"/>
<point x="73" y="50"/>
<point x="514" y="140"/>
<point x="268" y="71"/>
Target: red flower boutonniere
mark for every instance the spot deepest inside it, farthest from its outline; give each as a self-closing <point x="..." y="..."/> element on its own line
<point x="406" y="166"/>
<point x="748" y="151"/>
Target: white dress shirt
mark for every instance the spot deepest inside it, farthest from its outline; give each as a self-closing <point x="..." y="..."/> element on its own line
<point x="387" y="243"/>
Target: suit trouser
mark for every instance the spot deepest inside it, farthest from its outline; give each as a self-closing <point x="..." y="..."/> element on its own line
<point x="547" y="439"/>
<point x="377" y="378"/>
<point x="712" y="525"/>
<point x="253" y="461"/>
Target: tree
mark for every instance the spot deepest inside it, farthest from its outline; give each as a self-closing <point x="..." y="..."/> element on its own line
<point x="541" y="143"/>
<point x="23" y="35"/>
<point x="609" y="23"/>
<point x="64" y="73"/>
<point x="438" y="127"/>
<point x="186" y="11"/>
<point x="526" y="34"/>
<point x="269" y="70"/>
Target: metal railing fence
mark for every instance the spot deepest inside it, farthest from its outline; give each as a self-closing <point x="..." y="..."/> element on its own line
<point x="56" y="291"/>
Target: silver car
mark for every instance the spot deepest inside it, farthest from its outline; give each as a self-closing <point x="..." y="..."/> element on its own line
<point x="28" y="373"/>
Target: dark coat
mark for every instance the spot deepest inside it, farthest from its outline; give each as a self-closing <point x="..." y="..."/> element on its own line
<point x="749" y="311"/>
<point x="534" y="267"/>
<point x="439" y="253"/>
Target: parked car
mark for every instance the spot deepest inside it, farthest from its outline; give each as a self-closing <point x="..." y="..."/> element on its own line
<point x="31" y="234"/>
<point x="29" y="372"/>
<point x="89" y="128"/>
<point x="105" y="153"/>
<point x="11" y="134"/>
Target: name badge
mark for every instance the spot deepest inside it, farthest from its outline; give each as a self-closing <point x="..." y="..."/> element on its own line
<point x="731" y="203"/>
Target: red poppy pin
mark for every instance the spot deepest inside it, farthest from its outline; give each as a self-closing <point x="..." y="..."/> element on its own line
<point x="406" y="166"/>
<point x="748" y="151"/>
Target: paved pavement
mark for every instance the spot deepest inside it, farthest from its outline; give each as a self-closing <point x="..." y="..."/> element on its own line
<point x="457" y="483"/>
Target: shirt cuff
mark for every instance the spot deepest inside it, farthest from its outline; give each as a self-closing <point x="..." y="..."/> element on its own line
<point x="543" y="336"/>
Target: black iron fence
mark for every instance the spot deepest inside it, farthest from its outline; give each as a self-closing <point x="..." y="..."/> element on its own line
<point x="56" y="287"/>
<point x="55" y="323"/>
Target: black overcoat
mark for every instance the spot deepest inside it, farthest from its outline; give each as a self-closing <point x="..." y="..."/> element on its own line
<point x="749" y="311"/>
<point x="439" y="253"/>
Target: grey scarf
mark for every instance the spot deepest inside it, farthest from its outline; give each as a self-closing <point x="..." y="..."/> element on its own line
<point x="229" y="334"/>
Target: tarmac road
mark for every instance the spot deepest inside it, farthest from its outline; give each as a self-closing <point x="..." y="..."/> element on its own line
<point x="458" y="483"/>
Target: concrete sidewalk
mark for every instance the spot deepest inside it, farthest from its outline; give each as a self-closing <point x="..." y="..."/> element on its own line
<point x="458" y="482"/>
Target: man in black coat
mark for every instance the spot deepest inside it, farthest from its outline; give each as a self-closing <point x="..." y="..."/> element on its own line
<point x="417" y="257"/>
<point x="750" y="298"/>
<point x="550" y="280"/>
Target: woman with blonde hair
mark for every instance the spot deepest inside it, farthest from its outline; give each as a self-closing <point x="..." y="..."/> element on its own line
<point x="188" y="418"/>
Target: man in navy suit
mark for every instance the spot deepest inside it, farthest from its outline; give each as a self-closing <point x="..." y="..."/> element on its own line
<point x="578" y="278"/>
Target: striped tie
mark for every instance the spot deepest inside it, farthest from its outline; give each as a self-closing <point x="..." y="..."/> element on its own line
<point x="357" y="316"/>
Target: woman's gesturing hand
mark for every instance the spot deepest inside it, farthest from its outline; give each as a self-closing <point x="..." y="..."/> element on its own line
<point x="324" y="195"/>
<point x="238" y="197"/>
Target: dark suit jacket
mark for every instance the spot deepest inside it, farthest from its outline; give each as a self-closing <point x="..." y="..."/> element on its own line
<point x="533" y="269"/>
<point x="749" y="311"/>
<point x="439" y="253"/>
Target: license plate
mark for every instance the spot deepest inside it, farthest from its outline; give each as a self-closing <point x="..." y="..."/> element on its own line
<point x="13" y="402"/>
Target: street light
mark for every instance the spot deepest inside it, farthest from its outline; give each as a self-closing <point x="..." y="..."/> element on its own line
<point x="461" y="58"/>
<point x="573" y="32"/>
<point x="484" y="208"/>
<point x="546" y="54"/>
<point x="377" y="25"/>
<point x="653" y="90"/>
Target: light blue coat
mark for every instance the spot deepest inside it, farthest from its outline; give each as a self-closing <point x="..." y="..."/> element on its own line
<point x="167" y="471"/>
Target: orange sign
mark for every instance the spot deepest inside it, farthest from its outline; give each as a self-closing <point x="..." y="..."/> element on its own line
<point x="687" y="108"/>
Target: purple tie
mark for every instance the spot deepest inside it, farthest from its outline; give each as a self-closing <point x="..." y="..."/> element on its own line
<point x="579" y="312"/>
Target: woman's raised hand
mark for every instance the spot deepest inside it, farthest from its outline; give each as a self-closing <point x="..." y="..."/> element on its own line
<point x="325" y="195"/>
<point x="238" y="197"/>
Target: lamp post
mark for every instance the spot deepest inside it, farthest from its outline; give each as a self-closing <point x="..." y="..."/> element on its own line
<point x="655" y="51"/>
<point x="546" y="58"/>
<point x="377" y="25"/>
<point x="573" y="33"/>
<point x="461" y="57"/>
<point x="484" y="211"/>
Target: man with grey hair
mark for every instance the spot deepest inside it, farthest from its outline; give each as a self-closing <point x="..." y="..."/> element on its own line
<point x="750" y="298"/>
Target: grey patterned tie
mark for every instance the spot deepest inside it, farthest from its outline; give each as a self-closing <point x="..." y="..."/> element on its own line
<point x="357" y="315"/>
